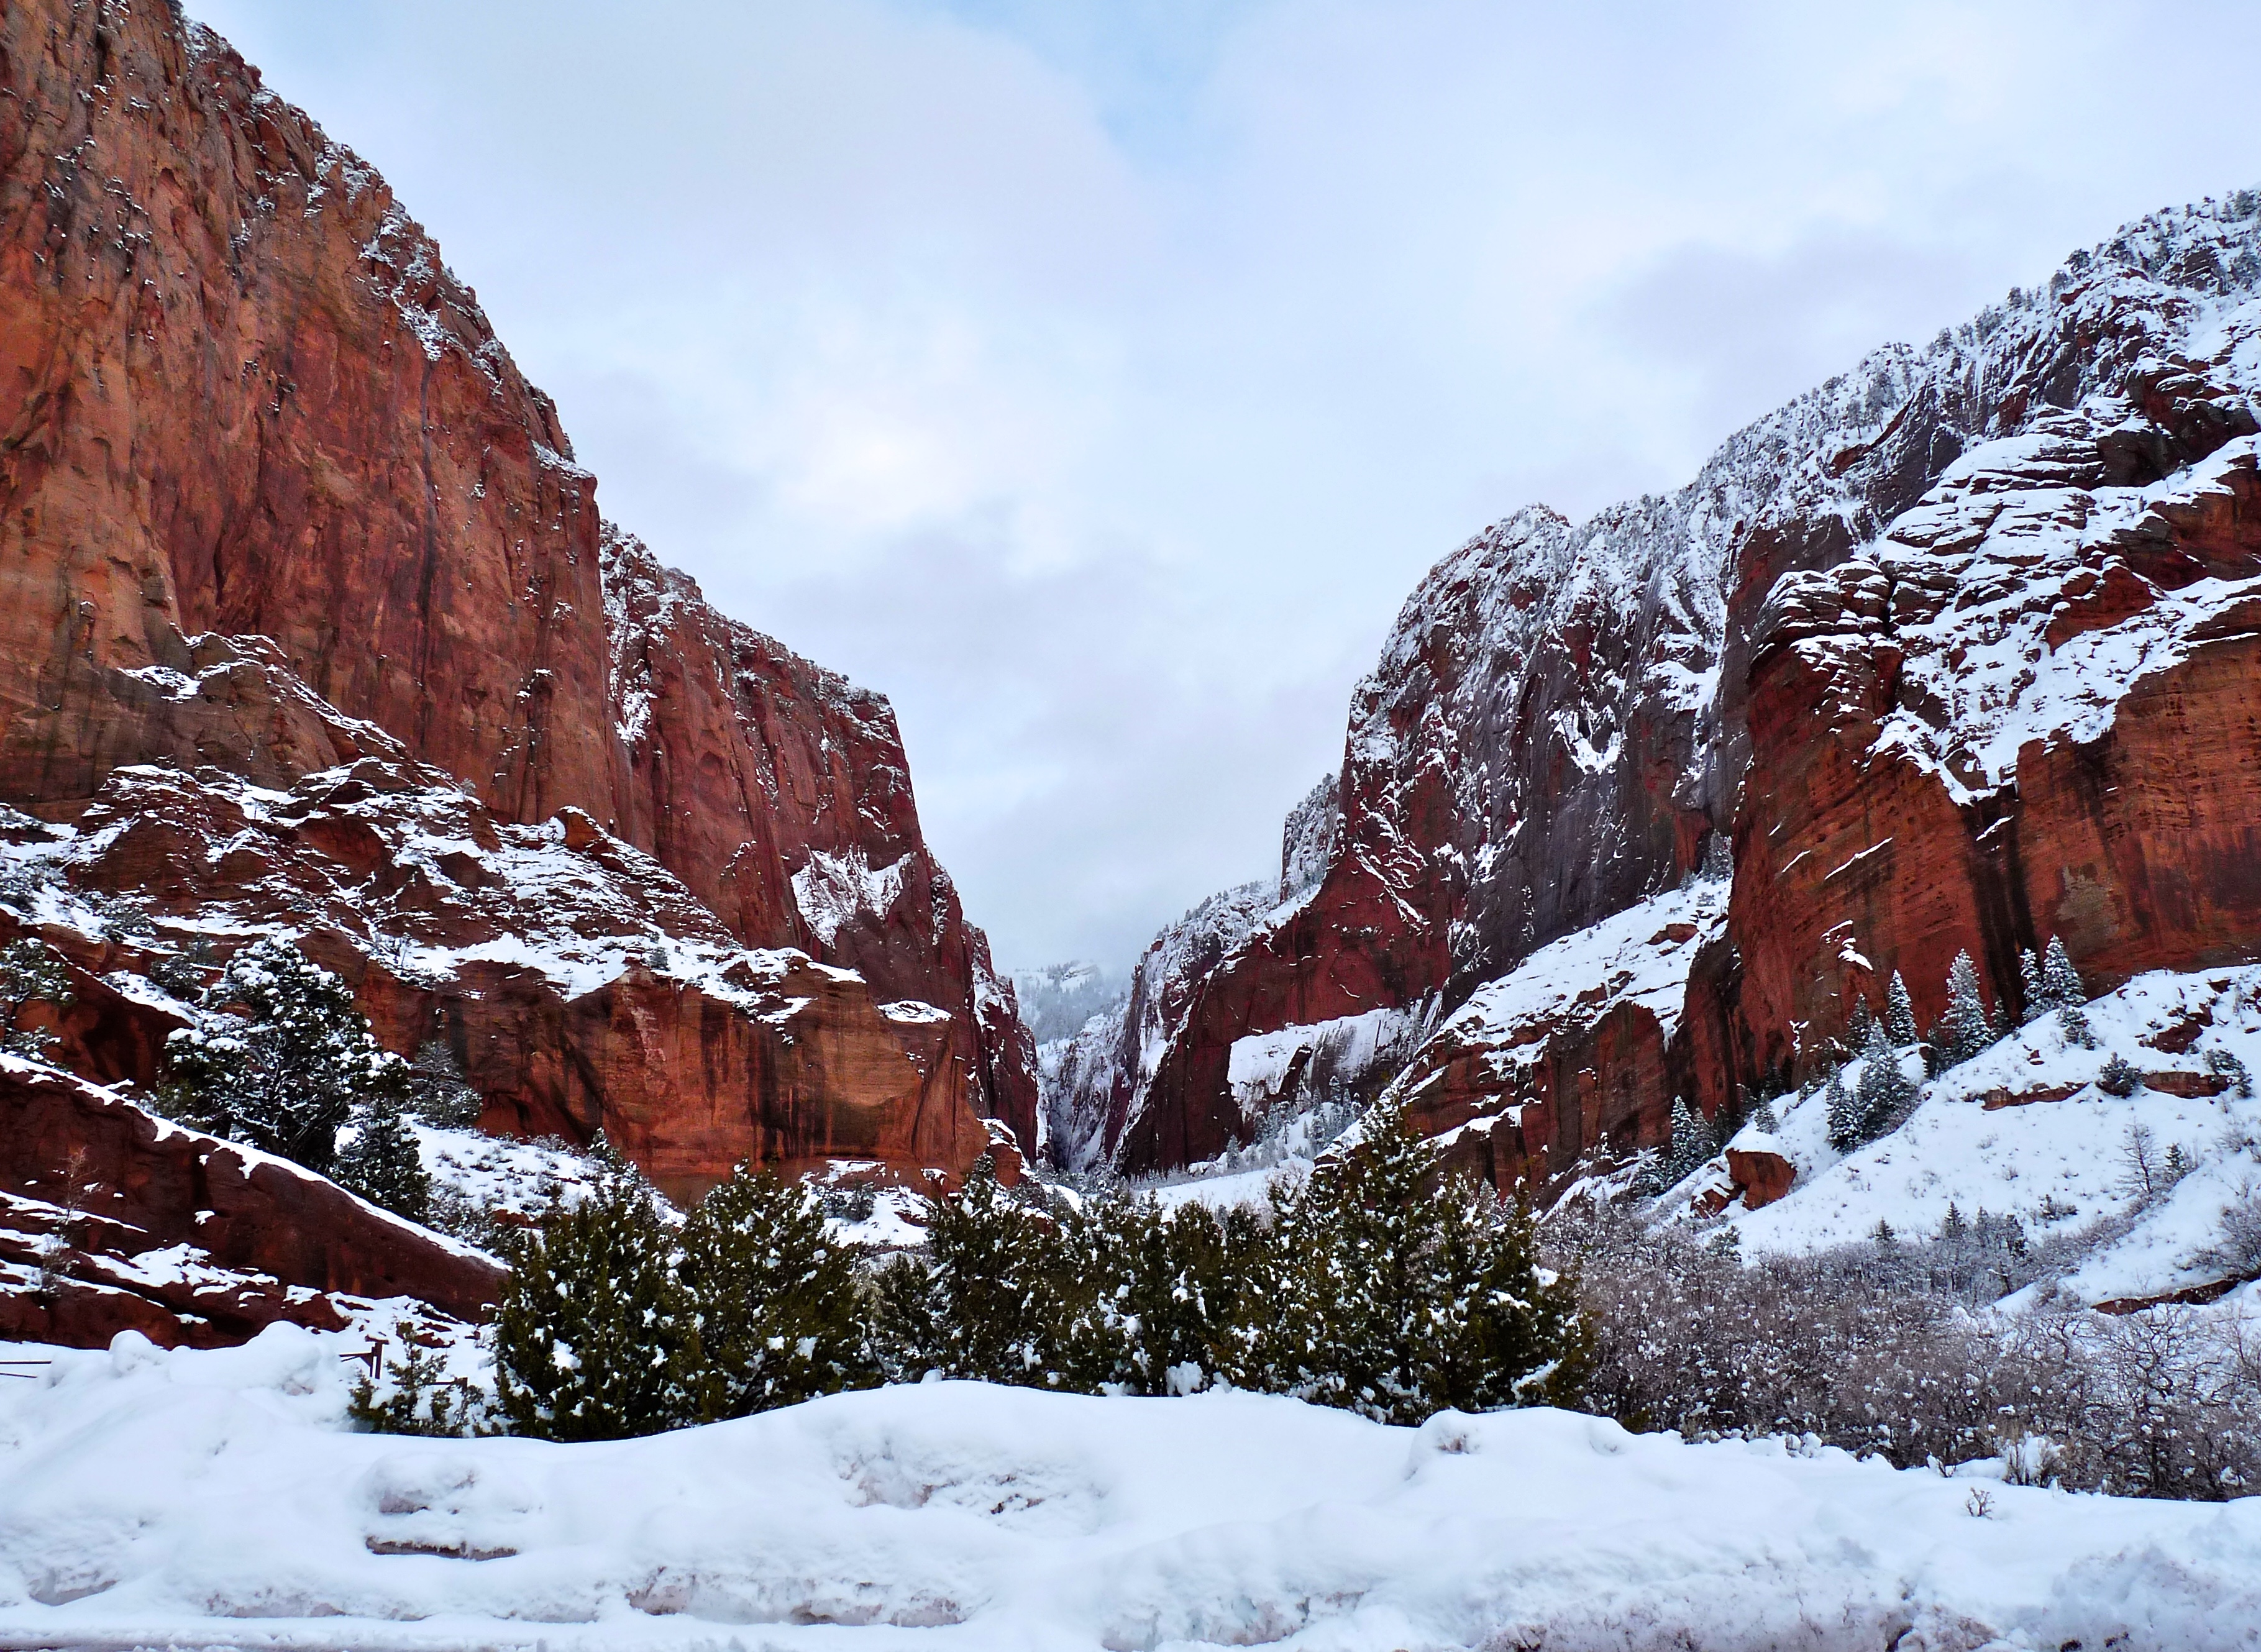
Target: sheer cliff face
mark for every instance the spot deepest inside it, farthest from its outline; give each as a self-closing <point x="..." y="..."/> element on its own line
<point x="273" y="499"/>
<point x="1954" y="651"/>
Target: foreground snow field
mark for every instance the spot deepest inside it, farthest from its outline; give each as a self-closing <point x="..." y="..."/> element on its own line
<point x="210" y="1499"/>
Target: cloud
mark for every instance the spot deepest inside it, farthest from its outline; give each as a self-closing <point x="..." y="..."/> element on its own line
<point x="1097" y="376"/>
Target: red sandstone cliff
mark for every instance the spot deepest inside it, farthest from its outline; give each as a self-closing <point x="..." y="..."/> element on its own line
<point x="1957" y="651"/>
<point x="274" y="501"/>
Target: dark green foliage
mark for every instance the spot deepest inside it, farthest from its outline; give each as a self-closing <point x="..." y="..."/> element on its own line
<point x="1390" y="1292"/>
<point x="2119" y="1076"/>
<point x="613" y="1324"/>
<point x="281" y="1056"/>
<point x="1375" y="1287"/>
<point x="1691" y="1145"/>
<point x="1842" y="1112"/>
<point x="772" y="1312"/>
<point x="1900" y="1010"/>
<point x="2225" y="1064"/>
<point x="185" y="972"/>
<point x="381" y="1162"/>
<point x="588" y="1335"/>
<point x="1155" y="1294"/>
<point x="424" y="1400"/>
<point x="2063" y="991"/>
<point x="988" y="1302"/>
<point x="1885" y="1093"/>
<point x="437" y="1092"/>
<point x="1965" y="1030"/>
<point x="31" y="972"/>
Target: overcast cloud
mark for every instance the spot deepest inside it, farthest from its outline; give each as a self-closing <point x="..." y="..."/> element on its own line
<point x="1097" y="379"/>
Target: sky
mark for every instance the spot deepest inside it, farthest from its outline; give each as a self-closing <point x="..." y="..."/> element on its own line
<point x="1097" y="379"/>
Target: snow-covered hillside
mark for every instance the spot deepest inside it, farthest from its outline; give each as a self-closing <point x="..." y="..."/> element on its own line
<point x="2133" y="1189"/>
<point x="211" y="1498"/>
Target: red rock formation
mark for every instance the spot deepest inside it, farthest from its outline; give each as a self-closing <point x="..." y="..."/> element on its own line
<point x="1760" y="1177"/>
<point x="273" y="500"/>
<point x="185" y="1238"/>
<point x="581" y="985"/>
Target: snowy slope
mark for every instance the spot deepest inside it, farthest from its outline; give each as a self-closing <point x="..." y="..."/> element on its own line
<point x="211" y="1498"/>
<point x="2052" y="1149"/>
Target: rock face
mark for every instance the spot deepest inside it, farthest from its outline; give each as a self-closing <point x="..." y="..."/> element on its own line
<point x="112" y="1220"/>
<point x="1956" y="652"/>
<point x="276" y="504"/>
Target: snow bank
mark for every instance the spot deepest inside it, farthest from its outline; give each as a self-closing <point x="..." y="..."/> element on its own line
<point x="211" y="1498"/>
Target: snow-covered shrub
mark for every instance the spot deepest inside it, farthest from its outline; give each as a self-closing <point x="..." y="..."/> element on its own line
<point x="380" y="1161"/>
<point x="185" y="973"/>
<point x="586" y="1335"/>
<point x="31" y="972"/>
<point x="1158" y="1291"/>
<point x="418" y="1396"/>
<point x="2238" y="1251"/>
<point x="1396" y="1293"/>
<point x="437" y="1091"/>
<point x="2224" y="1064"/>
<point x="280" y="1057"/>
<point x="985" y="1302"/>
<point x="773" y="1318"/>
<point x="2119" y="1076"/>
<point x="1873" y="1347"/>
<point x="614" y="1322"/>
<point x="1691" y="1145"/>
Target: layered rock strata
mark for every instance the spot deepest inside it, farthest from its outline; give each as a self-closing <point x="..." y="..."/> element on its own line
<point x="1956" y="652"/>
<point x="275" y="502"/>
<point x="112" y="1220"/>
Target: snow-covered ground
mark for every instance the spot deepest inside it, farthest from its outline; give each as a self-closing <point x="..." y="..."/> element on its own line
<point x="214" y="1499"/>
<point x="2053" y="1149"/>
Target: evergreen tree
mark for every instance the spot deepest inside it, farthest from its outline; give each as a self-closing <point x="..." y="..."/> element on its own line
<point x="588" y="1336"/>
<point x="437" y="1092"/>
<point x="771" y="1312"/>
<point x="1157" y="1294"/>
<point x="987" y="1303"/>
<point x="1393" y="1294"/>
<point x="1764" y="1117"/>
<point x="280" y="1058"/>
<point x="1965" y="1030"/>
<point x="381" y="1163"/>
<point x="2062" y="988"/>
<point x="2029" y="988"/>
<point x="31" y="972"/>
<point x="2119" y="1076"/>
<point x="1864" y="1023"/>
<point x="1844" y="1114"/>
<point x="1691" y="1145"/>
<point x="1885" y="1094"/>
<point x="1899" y="1014"/>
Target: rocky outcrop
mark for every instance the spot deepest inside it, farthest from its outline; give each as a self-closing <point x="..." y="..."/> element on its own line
<point x="112" y="1220"/>
<point x="579" y="984"/>
<point x="1956" y="652"/>
<point x="275" y="503"/>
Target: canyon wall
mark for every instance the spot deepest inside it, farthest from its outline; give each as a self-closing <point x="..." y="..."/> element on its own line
<point x="275" y="502"/>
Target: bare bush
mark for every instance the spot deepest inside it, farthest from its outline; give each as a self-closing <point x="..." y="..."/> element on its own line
<point x="1888" y="1348"/>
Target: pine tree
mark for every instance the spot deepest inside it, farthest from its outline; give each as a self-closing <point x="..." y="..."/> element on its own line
<point x="588" y="1336"/>
<point x="770" y="1305"/>
<point x="1964" y="1030"/>
<point x="1899" y="1014"/>
<point x="2030" y="989"/>
<point x="280" y="1058"/>
<point x="31" y="972"/>
<point x="1863" y="1023"/>
<point x="2062" y="987"/>
<point x="1885" y="1094"/>
<point x="1157" y="1294"/>
<point x="1844" y="1114"/>
<point x="987" y="1302"/>
<point x="1394" y="1293"/>
<point x="437" y="1092"/>
<point x="1691" y="1145"/>
<point x="381" y="1163"/>
<point x="1764" y="1117"/>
